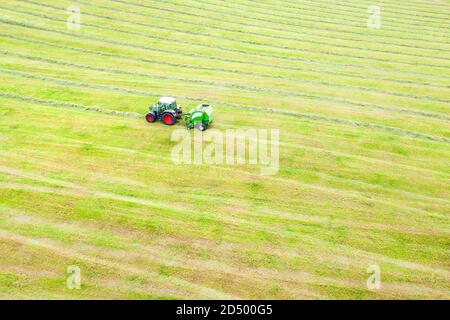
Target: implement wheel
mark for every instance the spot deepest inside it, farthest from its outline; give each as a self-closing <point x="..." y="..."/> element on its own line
<point x="200" y="126"/>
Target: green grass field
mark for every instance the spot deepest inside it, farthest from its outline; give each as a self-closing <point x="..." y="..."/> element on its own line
<point x="364" y="150"/>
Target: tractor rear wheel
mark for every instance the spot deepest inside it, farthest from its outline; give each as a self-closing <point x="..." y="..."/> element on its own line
<point x="169" y="119"/>
<point x="150" y="117"/>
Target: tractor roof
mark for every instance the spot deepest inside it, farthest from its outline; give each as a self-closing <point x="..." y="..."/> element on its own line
<point x="167" y="100"/>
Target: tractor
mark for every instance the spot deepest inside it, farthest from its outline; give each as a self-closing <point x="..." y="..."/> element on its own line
<point x="166" y="110"/>
<point x="200" y="117"/>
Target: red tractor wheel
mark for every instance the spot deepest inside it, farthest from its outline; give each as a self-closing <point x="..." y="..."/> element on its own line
<point x="150" y="117"/>
<point x="169" y="119"/>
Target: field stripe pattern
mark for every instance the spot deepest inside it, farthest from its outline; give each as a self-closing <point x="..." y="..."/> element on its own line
<point x="364" y="128"/>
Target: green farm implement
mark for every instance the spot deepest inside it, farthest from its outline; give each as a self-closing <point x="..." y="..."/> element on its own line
<point x="200" y="117"/>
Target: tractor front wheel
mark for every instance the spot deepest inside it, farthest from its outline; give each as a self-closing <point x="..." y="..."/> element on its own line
<point x="169" y="119"/>
<point x="150" y="117"/>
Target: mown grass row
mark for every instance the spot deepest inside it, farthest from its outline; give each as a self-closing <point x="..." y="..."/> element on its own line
<point x="142" y="92"/>
<point x="301" y="41"/>
<point x="398" y="18"/>
<point x="266" y="17"/>
<point x="414" y="9"/>
<point x="394" y="94"/>
<point x="71" y="83"/>
<point x="53" y="103"/>
<point x="287" y="36"/>
<point x="233" y="61"/>
<point x="252" y="43"/>
<point x="105" y="137"/>
<point x="244" y="52"/>
<point x="131" y="22"/>
<point x="239" y="87"/>
<point x="216" y="101"/>
<point x="337" y="34"/>
<point x="262" y="257"/>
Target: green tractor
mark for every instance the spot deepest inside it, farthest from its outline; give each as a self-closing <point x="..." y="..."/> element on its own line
<point x="166" y="110"/>
<point x="200" y="117"/>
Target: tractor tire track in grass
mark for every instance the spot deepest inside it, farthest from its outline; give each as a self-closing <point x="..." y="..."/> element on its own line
<point x="231" y="30"/>
<point x="253" y="43"/>
<point x="282" y="93"/>
<point x="311" y="117"/>
<point x="264" y="26"/>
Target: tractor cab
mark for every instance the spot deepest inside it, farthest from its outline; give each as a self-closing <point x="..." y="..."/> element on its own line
<point x="167" y="103"/>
